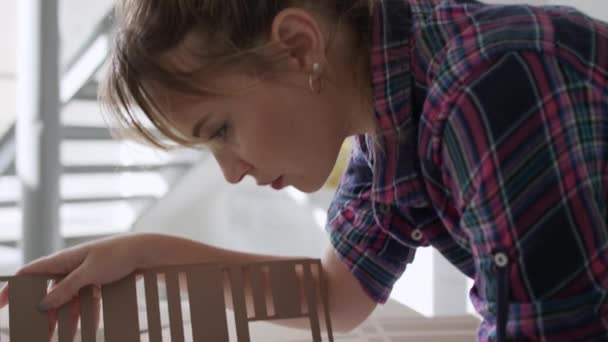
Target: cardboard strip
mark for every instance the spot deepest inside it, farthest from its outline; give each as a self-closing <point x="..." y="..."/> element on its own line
<point x="175" y="307"/>
<point x="206" y="285"/>
<point x="256" y="278"/>
<point x="88" y="332"/>
<point x="322" y="287"/>
<point x="4" y="329"/>
<point x="27" y="323"/>
<point x="207" y="305"/>
<point x="311" y="299"/>
<point x="120" y="314"/>
<point x="237" y="288"/>
<point x="152" y="307"/>
<point x="285" y="289"/>
<point x="64" y="323"/>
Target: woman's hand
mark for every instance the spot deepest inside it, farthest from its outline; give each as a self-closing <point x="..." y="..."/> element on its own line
<point x="96" y="263"/>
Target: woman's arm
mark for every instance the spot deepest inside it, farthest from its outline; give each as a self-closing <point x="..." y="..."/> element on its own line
<point x="349" y="304"/>
<point x="105" y="261"/>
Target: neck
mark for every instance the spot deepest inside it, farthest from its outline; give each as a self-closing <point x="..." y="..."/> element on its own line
<point x="362" y="119"/>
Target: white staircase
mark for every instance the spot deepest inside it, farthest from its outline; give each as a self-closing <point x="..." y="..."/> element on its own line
<point x="106" y="184"/>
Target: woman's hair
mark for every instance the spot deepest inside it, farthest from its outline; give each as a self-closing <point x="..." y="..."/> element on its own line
<point x="226" y="34"/>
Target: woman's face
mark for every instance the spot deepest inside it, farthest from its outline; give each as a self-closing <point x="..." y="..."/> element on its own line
<point x="277" y="131"/>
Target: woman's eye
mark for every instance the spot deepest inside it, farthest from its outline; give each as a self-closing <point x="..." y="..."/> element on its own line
<point x="220" y="134"/>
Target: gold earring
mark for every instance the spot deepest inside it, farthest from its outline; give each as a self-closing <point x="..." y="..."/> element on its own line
<point x="316" y="76"/>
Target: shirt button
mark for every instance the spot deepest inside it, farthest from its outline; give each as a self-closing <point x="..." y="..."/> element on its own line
<point x="417" y="235"/>
<point x="501" y="259"/>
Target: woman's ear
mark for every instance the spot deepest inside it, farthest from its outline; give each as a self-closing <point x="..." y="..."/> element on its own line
<point x="301" y="35"/>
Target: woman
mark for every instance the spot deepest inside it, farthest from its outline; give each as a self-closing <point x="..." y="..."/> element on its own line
<point x="480" y="130"/>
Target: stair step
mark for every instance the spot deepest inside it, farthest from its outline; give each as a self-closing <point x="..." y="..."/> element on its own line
<point x="94" y="199"/>
<point x="88" y="169"/>
<point x="77" y="220"/>
<point x="99" y="152"/>
<point x="82" y="114"/>
<point x="114" y="169"/>
<point x="10" y="260"/>
<point x="7" y="148"/>
<point x="88" y="92"/>
<point x="85" y="133"/>
<point x="91" y="187"/>
<point x="72" y="132"/>
<point x="111" y="156"/>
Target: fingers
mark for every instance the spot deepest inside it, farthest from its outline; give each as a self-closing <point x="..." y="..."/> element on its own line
<point x="66" y="289"/>
<point x="74" y="315"/>
<point x="58" y="264"/>
<point x="61" y="263"/>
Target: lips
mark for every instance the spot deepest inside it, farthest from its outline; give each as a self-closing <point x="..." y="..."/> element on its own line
<point x="278" y="183"/>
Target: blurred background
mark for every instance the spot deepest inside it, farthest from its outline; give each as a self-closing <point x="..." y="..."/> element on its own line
<point x="64" y="180"/>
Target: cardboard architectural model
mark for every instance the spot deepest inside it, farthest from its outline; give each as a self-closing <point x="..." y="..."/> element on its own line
<point x="256" y="292"/>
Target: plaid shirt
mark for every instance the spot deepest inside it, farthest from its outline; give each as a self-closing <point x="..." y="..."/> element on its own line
<point x="495" y="152"/>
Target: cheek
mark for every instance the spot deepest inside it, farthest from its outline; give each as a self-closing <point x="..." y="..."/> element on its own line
<point x="275" y="145"/>
<point x="286" y="130"/>
<point x="261" y="139"/>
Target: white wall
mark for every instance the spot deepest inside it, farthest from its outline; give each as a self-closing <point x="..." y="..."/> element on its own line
<point x="595" y="8"/>
<point x="243" y="217"/>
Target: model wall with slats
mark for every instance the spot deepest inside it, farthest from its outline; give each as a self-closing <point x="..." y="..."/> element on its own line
<point x="275" y="290"/>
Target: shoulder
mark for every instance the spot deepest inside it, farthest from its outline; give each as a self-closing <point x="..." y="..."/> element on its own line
<point x="456" y="36"/>
<point x="461" y="43"/>
<point x="505" y="110"/>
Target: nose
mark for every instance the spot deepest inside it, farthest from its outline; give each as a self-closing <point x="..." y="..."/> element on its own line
<point x="233" y="168"/>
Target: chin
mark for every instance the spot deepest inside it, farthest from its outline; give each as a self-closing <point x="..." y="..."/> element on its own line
<point x="309" y="188"/>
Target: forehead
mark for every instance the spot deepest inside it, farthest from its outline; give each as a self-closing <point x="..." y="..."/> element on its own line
<point x="170" y="100"/>
<point x="214" y="91"/>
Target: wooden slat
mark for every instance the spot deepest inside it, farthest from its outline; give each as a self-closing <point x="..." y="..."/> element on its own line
<point x="88" y="332"/>
<point x="27" y="323"/>
<point x="285" y="290"/>
<point x="207" y="304"/>
<point x="239" y="305"/>
<point x="175" y="307"/>
<point x="256" y="279"/>
<point x="120" y="313"/>
<point x="324" y="299"/>
<point x="64" y="322"/>
<point x="153" y="307"/>
<point x="311" y="299"/>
